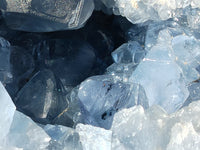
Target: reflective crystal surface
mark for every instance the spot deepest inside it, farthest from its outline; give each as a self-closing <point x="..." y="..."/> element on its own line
<point x="46" y="15"/>
<point x="5" y="52"/>
<point x="63" y="138"/>
<point x="129" y="52"/>
<point x="27" y="134"/>
<point x="140" y="11"/>
<point x="128" y="78"/>
<point x="94" y="138"/>
<point x="138" y="129"/>
<point x="100" y="98"/>
<point x="42" y="98"/>
<point x="6" y="115"/>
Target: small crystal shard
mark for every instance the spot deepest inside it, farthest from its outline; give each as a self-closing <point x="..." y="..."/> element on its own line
<point x="129" y="52"/>
<point x="5" y="65"/>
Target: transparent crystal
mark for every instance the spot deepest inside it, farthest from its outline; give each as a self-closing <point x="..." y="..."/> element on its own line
<point x="100" y="98"/>
<point x="130" y="52"/>
<point x="161" y="77"/>
<point x="63" y="138"/>
<point x="26" y="134"/>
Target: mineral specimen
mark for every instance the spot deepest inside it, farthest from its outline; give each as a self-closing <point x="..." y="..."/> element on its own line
<point x="46" y="15"/>
<point x="63" y="138"/>
<point x="113" y="83"/>
<point x="129" y="52"/>
<point x="5" y="52"/>
<point x="26" y="134"/>
<point x="42" y="98"/>
<point x="94" y="138"/>
<point x="100" y="98"/>
<point x="7" y="112"/>
<point x="140" y="11"/>
<point x="138" y="129"/>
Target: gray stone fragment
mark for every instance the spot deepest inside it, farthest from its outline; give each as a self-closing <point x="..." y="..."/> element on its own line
<point x="5" y="65"/>
<point x="42" y="98"/>
<point x="46" y="15"/>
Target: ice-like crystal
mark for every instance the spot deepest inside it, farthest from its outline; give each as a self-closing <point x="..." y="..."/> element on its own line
<point x="63" y="138"/>
<point x="7" y="112"/>
<point x="161" y="77"/>
<point x="25" y="134"/>
<point x="100" y="98"/>
<point x="94" y="138"/>
<point x="42" y="97"/>
<point x="187" y="56"/>
<point x="183" y="136"/>
<point x="184" y="46"/>
<point x="140" y="11"/>
<point x="121" y="72"/>
<point x="152" y="129"/>
<point x="130" y="52"/>
<point x="148" y="99"/>
<point x="154" y="29"/>
<point x="46" y="15"/>
<point x="5" y="66"/>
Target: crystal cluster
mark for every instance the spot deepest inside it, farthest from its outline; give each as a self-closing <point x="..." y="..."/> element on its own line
<point x="99" y="74"/>
<point x="140" y="11"/>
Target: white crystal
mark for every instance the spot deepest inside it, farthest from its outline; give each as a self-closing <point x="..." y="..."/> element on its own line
<point x="63" y="138"/>
<point x="187" y="56"/>
<point x="137" y="129"/>
<point x="94" y="138"/>
<point x="170" y="65"/>
<point x="7" y="108"/>
<point x="183" y="137"/>
<point x="26" y="134"/>
<point x="140" y="11"/>
<point x="161" y="77"/>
